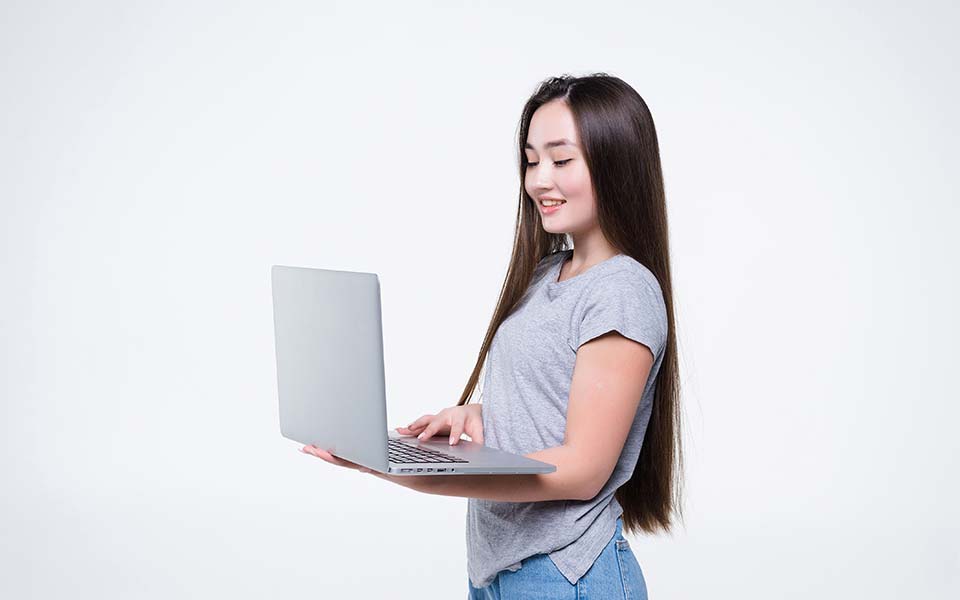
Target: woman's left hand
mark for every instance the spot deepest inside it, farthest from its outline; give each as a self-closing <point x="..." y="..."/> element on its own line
<point x="418" y="483"/>
<point x="335" y="460"/>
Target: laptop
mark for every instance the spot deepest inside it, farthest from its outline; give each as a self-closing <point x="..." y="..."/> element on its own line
<point x="330" y="378"/>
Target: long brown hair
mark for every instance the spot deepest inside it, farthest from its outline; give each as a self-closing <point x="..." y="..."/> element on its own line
<point x="620" y="147"/>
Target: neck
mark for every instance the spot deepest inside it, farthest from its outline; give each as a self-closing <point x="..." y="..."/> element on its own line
<point x="590" y="248"/>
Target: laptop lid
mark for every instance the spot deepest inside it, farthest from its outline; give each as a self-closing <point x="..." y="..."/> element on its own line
<point x="330" y="375"/>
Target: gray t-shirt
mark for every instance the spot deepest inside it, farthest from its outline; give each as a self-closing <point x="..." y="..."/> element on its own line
<point x="526" y="387"/>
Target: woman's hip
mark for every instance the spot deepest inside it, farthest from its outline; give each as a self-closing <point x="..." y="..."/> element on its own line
<point x="616" y="573"/>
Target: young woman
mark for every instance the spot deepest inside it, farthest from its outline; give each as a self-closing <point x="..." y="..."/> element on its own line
<point x="581" y="360"/>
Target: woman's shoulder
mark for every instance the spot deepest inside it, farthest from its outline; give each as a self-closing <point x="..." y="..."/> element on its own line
<point x="630" y="273"/>
<point x="639" y="269"/>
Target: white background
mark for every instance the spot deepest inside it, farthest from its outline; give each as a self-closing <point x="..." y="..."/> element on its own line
<point x="155" y="160"/>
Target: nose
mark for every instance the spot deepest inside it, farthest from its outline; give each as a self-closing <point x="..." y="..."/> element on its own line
<point x="543" y="180"/>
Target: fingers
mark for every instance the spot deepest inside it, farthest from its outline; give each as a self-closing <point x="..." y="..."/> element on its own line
<point x="321" y="453"/>
<point x="340" y="462"/>
<point x="435" y="426"/>
<point x="415" y="427"/>
<point x="456" y="428"/>
<point x="475" y="430"/>
<point x="421" y="422"/>
<point x="441" y="423"/>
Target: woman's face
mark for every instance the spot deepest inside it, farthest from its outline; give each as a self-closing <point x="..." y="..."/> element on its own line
<point x="557" y="170"/>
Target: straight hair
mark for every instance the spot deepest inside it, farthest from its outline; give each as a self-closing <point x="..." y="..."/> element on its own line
<point x="619" y="144"/>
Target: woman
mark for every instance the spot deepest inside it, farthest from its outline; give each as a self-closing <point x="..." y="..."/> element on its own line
<point x="582" y="369"/>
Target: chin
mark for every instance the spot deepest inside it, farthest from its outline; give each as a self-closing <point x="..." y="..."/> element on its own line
<point x="551" y="228"/>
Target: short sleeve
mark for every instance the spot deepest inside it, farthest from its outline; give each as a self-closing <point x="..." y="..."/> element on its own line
<point x="628" y="302"/>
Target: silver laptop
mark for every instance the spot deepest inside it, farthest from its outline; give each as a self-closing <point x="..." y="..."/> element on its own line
<point x="330" y="377"/>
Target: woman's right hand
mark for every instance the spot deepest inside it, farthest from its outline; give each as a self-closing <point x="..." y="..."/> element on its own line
<point x="453" y="420"/>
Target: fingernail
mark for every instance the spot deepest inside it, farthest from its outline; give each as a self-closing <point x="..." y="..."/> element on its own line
<point x="420" y="437"/>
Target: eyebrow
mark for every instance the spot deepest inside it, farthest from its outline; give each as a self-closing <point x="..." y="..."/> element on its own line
<point x="553" y="144"/>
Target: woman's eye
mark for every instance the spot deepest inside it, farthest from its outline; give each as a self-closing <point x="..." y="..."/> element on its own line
<point x="559" y="163"/>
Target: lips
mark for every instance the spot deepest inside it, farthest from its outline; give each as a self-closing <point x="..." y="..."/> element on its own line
<point x="549" y="210"/>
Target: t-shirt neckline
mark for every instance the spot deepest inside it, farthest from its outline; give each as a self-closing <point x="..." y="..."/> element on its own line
<point x="564" y="255"/>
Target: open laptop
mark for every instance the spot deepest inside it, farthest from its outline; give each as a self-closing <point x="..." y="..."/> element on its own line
<point x="330" y="377"/>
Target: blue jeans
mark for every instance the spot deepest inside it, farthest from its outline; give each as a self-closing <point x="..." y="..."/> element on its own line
<point x="615" y="574"/>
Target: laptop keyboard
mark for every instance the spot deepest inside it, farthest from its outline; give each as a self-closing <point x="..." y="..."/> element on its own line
<point x="402" y="452"/>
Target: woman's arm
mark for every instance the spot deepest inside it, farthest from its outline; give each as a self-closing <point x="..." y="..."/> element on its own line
<point x="608" y="381"/>
<point x="566" y="483"/>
